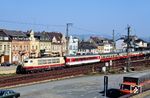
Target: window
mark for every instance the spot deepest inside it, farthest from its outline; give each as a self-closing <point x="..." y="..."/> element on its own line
<point x="39" y="62"/>
<point x="49" y="61"/>
<point x="0" y="47"/>
<point x="25" y="61"/>
<point x="16" y="47"/>
<point x="24" y="48"/>
<point x="55" y="61"/>
<point x="20" y="47"/>
<point x="32" y="47"/>
<point x="27" y="48"/>
<point x="1" y="38"/>
<point x="44" y="61"/>
<point x="8" y="47"/>
<point x="13" y="47"/>
<point x="70" y="47"/>
<point x="125" y="87"/>
<point x="4" y="47"/>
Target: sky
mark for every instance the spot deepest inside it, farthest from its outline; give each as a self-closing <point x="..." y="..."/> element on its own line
<point x="97" y="17"/>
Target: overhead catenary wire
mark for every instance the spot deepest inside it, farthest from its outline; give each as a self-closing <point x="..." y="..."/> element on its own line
<point x="46" y="25"/>
<point x="52" y="26"/>
<point x="86" y="30"/>
<point x="28" y="23"/>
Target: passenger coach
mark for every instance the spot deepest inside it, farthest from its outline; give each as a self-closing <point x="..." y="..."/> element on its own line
<point x="81" y="59"/>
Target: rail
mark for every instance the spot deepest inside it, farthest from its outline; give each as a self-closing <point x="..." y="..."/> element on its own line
<point x="66" y="72"/>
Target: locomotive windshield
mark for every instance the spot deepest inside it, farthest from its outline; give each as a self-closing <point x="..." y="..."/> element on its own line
<point x="125" y="87"/>
<point x="25" y="61"/>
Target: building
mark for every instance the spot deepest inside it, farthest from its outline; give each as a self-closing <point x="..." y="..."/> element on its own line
<point x="5" y="47"/>
<point x="87" y="48"/>
<point x="135" y="44"/>
<point x="34" y="44"/>
<point x="58" y="43"/>
<point x="15" y="46"/>
<point x="104" y="45"/>
<point x="73" y="45"/>
<point x="20" y="45"/>
<point x="46" y="43"/>
<point x="120" y="45"/>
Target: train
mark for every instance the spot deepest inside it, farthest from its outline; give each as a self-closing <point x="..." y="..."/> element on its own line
<point x="48" y="63"/>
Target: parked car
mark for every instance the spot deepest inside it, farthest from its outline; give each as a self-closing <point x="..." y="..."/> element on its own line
<point x="9" y="94"/>
<point x="5" y="64"/>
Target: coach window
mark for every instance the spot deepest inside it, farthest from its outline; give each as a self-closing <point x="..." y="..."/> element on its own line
<point x="49" y="61"/>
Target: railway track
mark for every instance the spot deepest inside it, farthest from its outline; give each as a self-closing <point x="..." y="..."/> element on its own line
<point x="66" y="72"/>
<point x="54" y="74"/>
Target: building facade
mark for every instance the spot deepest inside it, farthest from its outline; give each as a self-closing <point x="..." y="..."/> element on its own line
<point x="34" y="45"/>
<point x="73" y="45"/>
<point x="5" y="47"/>
<point x="103" y="45"/>
<point x="19" y="48"/>
<point x="86" y="47"/>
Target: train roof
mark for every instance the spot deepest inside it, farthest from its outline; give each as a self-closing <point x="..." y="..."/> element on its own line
<point x="82" y="55"/>
<point x="43" y="58"/>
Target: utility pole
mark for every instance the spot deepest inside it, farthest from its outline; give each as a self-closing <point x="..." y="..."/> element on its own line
<point x="114" y="40"/>
<point x="67" y="37"/>
<point x="128" y="46"/>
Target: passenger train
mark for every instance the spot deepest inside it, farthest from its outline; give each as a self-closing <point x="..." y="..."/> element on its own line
<point x="48" y="63"/>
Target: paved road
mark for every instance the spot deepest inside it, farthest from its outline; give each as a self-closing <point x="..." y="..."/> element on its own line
<point x="147" y="96"/>
<point x="81" y="87"/>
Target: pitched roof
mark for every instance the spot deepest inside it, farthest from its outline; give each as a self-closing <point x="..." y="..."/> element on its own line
<point x="101" y="41"/>
<point x="57" y="35"/>
<point x="87" y="45"/>
<point x="14" y="33"/>
<point x="139" y="40"/>
<point x="2" y="33"/>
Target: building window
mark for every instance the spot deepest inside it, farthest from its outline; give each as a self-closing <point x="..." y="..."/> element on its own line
<point x="70" y="47"/>
<point x="20" y="47"/>
<point x="36" y="47"/>
<point x="4" y="47"/>
<point x="13" y="48"/>
<point x="16" y="47"/>
<point x="32" y="47"/>
<point x="0" y="47"/>
<point x="8" y="47"/>
<point x="24" y="48"/>
<point x="27" y="48"/>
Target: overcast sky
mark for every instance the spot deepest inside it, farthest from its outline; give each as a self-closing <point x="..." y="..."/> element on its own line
<point x="87" y="16"/>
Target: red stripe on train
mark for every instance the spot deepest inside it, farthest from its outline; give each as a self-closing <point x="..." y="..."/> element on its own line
<point x="43" y="66"/>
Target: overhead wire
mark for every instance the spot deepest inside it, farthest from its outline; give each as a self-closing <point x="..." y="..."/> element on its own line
<point x="28" y="23"/>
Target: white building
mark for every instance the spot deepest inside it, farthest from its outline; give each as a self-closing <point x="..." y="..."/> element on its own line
<point x="108" y="48"/>
<point x="120" y="45"/>
<point x="73" y="46"/>
<point x="135" y="44"/>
